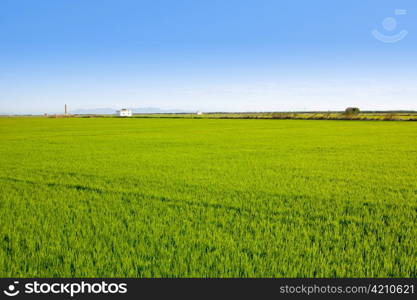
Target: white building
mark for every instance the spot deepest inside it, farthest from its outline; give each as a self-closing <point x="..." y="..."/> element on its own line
<point x="124" y="112"/>
<point x="199" y="113"/>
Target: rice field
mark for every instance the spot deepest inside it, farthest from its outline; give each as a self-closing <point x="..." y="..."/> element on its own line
<point x="113" y="197"/>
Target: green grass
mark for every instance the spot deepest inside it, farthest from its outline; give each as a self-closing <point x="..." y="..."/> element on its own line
<point x="113" y="197"/>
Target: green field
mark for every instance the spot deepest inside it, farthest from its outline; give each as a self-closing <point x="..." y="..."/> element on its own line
<point x="111" y="197"/>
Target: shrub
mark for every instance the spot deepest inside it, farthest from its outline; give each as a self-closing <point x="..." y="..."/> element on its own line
<point x="281" y="116"/>
<point x="352" y="111"/>
<point x="389" y="117"/>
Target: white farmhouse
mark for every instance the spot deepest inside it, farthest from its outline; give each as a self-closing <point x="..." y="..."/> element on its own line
<point x="124" y="112"/>
<point x="199" y="113"/>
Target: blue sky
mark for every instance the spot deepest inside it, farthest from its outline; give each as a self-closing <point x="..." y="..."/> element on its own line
<point x="210" y="55"/>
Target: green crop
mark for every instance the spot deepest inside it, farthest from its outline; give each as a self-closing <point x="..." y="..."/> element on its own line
<point x="112" y="197"/>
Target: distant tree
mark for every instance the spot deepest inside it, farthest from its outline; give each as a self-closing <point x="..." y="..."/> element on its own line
<point x="352" y="110"/>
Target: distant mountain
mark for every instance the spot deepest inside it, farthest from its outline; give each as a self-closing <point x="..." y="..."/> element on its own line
<point x="142" y="110"/>
<point x="156" y="110"/>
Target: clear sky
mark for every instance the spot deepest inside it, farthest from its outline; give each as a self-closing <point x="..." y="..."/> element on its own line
<point x="210" y="55"/>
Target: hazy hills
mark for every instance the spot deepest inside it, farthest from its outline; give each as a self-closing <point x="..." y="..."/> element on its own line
<point x="142" y="110"/>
